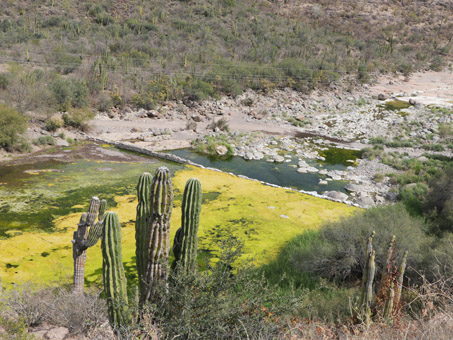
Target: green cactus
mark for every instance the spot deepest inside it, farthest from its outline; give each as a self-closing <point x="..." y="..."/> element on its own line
<point x="95" y="231"/>
<point x="185" y="244"/>
<point x="369" y="288"/>
<point x="141" y="223"/>
<point x="386" y="272"/>
<point x="368" y="251"/>
<point x="399" y="286"/>
<point x="79" y="244"/>
<point x="115" y="285"/>
<point x="154" y="242"/>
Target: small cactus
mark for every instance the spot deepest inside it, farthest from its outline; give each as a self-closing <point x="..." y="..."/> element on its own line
<point x="115" y="285"/>
<point x="185" y="244"/>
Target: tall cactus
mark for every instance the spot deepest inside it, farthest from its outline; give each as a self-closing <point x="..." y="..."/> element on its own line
<point x="155" y="240"/>
<point x="79" y="244"/>
<point x="368" y="251"/>
<point x="185" y="244"/>
<point x="115" y="285"/>
<point x="399" y="286"/>
<point x="141" y="223"/>
<point x="387" y="270"/>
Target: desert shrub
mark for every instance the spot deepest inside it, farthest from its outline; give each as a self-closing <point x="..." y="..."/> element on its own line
<point x="104" y="103"/>
<point x="14" y="329"/>
<point x="412" y="196"/>
<point x="221" y="303"/>
<point x="196" y="89"/>
<point x="439" y="202"/>
<point x="78" y="119"/>
<point x="221" y="124"/>
<point x="209" y="144"/>
<point x="25" y="302"/>
<point x="12" y="124"/>
<point x="45" y="140"/>
<point x="78" y="313"/>
<point x="439" y="260"/>
<point x="53" y="124"/>
<point x="446" y="131"/>
<point x="338" y="254"/>
<point x="4" y="81"/>
<point x="69" y="93"/>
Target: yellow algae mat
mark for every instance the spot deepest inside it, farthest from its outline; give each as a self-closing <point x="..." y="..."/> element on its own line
<point x="263" y="217"/>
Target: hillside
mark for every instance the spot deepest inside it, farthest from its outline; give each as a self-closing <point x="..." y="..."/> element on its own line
<point x="144" y="52"/>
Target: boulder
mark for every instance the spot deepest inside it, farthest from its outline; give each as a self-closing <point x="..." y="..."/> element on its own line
<point x="381" y="96"/>
<point x="352" y="187"/>
<point x="221" y="150"/>
<point x="336" y="195"/>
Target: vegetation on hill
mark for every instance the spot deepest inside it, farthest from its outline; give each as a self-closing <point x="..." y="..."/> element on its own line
<point x="143" y="52"/>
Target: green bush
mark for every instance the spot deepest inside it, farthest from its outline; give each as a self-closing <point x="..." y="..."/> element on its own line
<point x="69" y="93"/>
<point x="45" y="140"/>
<point x="220" y="303"/>
<point x="78" y="119"/>
<point x="439" y="202"/>
<point x="4" y="81"/>
<point x="338" y="254"/>
<point x="53" y="124"/>
<point x="12" y="124"/>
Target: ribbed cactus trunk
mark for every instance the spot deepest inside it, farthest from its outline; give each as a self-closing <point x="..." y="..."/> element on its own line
<point x="369" y="288"/>
<point x="115" y="285"/>
<point x="388" y="309"/>
<point x="185" y="244"/>
<point x="399" y="287"/>
<point x="141" y="225"/>
<point x="79" y="244"/>
<point x="368" y="251"/>
<point x="156" y="243"/>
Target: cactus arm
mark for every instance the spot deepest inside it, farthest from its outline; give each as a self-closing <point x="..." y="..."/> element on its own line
<point x="185" y="244"/>
<point x="95" y="231"/>
<point x="79" y="244"/>
<point x="115" y="286"/>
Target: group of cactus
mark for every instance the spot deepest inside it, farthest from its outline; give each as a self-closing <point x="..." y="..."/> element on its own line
<point x="152" y="235"/>
<point x="386" y="294"/>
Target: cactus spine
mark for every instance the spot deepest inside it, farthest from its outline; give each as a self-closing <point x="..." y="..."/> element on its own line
<point x="79" y="244"/>
<point x="141" y="224"/>
<point x="185" y="244"/>
<point x="157" y="234"/>
<point x="113" y="273"/>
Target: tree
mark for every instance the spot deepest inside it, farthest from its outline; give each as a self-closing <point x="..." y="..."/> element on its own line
<point x="12" y="124"/>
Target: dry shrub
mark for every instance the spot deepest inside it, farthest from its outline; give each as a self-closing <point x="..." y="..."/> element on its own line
<point x="81" y="314"/>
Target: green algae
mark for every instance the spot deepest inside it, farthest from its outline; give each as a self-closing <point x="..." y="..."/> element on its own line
<point x="339" y="156"/>
<point x="34" y="195"/>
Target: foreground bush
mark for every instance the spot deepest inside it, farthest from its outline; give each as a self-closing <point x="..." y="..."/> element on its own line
<point x="339" y="251"/>
<point x="32" y="306"/>
<point x="220" y="303"/>
<point x="12" y="124"/>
